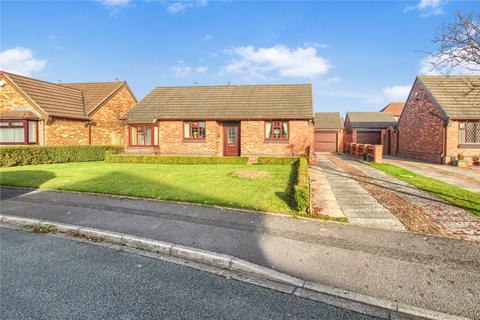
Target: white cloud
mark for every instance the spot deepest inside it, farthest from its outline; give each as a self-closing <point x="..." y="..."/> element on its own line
<point x="208" y="37"/>
<point x="428" y="67"/>
<point x="180" y="69"/>
<point x="316" y="45"/>
<point x="114" y="3"/>
<point x="20" y="60"/>
<point x="428" y="7"/>
<point x="201" y="69"/>
<point x="390" y="94"/>
<point x="181" y="6"/>
<point x="279" y="59"/>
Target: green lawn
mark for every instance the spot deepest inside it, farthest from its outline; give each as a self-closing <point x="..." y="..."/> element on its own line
<point x="205" y="184"/>
<point x="458" y="196"/>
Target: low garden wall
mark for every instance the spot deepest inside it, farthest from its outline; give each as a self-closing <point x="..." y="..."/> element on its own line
<point x="27" y="155"/>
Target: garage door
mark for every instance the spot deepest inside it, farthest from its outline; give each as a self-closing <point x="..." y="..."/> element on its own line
<point x="369" y="137"/>
<point x="325" y="141"/>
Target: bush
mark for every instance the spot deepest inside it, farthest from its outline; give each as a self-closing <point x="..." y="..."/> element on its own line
<point x="300" y="191"/>
<point x="27" y="155"/>
<point x="121" y="158"/>
<point x="277" y="160"/>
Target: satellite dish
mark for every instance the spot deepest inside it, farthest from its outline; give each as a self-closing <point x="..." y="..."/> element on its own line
<point x="2" y="83"/>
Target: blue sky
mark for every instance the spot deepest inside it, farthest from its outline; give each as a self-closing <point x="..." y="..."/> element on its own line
<point x="358" y="55"/>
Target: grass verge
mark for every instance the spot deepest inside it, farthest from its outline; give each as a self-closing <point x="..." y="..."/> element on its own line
<point x="458" y="196"/>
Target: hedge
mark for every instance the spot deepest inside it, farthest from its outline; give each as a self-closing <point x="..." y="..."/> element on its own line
<point x="277" y="160"/>
<point x="121" y="158"/>
<point x="26" y="155"/>
<point x="300" y="190"/>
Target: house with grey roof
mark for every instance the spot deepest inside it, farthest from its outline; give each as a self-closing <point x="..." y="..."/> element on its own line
<point x="328" y="134"/>
<point x="228" y="120"/>
<point x="441" y="119"/>
<point x="371" y="128"/>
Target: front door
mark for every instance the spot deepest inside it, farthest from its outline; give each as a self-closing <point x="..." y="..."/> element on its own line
<point x="231" y="141"/>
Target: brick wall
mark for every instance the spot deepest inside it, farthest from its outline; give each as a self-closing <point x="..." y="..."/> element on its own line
<point x="341" y="141"/>
<point x="253" y="142"/>
<point x="108" y="128"/>
<point x="62" y="132"/>
<point x="420" y="128"/>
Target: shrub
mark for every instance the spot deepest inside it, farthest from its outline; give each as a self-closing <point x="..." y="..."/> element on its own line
<point x="300" y="192"/>
<point x="277" y="160"/>
<point x="121" y="158"/>
<point x="27" y="155"/>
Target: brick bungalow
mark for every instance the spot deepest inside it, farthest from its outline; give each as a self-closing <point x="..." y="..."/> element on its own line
<point x="328" y="136"/>
<point x="231" y="120"/>
<point x="371" y="128"/>
<point x="35" y="112"/>
<point x="395" y="109"/>
<point x="441" y="119"/>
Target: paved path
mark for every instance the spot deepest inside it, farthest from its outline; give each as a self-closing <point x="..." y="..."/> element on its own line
<point x="457" y="221"/>
<point x="339" y="191"/>
<point x="429" y="272"/>
<point x="46" y="277"/>
<point x="467" y="178"/>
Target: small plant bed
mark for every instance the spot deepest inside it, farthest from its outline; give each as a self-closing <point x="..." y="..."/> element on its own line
<point x="208" y="184"/>
<point x="458" y="196"/>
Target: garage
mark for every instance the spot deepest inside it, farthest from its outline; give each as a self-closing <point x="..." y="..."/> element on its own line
<point x="369" y="137"/>
<point x="325" y="141"/>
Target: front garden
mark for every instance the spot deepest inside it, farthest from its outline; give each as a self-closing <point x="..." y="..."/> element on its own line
<point x="281" y="188"/>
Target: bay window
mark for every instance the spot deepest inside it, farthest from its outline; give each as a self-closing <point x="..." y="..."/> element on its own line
<point x="194" y="130"/>
<point x="276" y="130"/>
<point x="143" y="135"/>
<point x="18" y="132"/>
<point x="469" y="132"/>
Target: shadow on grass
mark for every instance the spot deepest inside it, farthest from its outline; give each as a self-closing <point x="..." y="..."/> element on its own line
<point x="26" y="178"/>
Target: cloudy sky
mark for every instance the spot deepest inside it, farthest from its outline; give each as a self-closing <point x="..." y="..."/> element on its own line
<point x="358" y="55"/>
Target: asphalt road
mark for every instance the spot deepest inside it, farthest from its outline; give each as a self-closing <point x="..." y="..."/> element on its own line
<point x="48" y="277"/>
<point x="429" y="272"/>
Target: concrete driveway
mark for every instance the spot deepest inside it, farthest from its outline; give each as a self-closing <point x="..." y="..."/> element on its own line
<point x="467" y="178"/>
<point x="339" y="194"/>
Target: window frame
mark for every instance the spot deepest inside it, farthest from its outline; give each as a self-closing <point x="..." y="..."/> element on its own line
<point x="476" y="134"/>
<point x="191" y="127"/>
<point x="144" y="127"/>
<point x="26" y="131"/>
<point x="272" y="139"/>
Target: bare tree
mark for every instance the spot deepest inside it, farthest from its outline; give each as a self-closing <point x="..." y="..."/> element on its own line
<point x="458" y="46"/>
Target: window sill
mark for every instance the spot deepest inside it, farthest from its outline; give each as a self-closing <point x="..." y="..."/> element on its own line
<point x="143" y="146"/>
<point x="469" y="146"/>
<point x="277" y="141"/>
<point x="193" y="140"/>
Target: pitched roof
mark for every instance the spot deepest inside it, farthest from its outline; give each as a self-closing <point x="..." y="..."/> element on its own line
<point x="458" y="96"/>
<point x="95" y="93"/>
<point x="69" y="100"/>
<point x="328" y="120"/>
<point x="394" y="108"/>
<point x="53" y="99"/>
<point x="284" y="101"/>
<point x="371" y="119"/>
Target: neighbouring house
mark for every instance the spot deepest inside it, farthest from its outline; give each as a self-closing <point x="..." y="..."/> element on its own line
<point x="395" y="109"/>
<point x="371" y="128"/>
<point x="36" y="112"/>
<point x="328" y="135"/>
<point x="229" y="120"/>
<point x="441" y="119"/>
